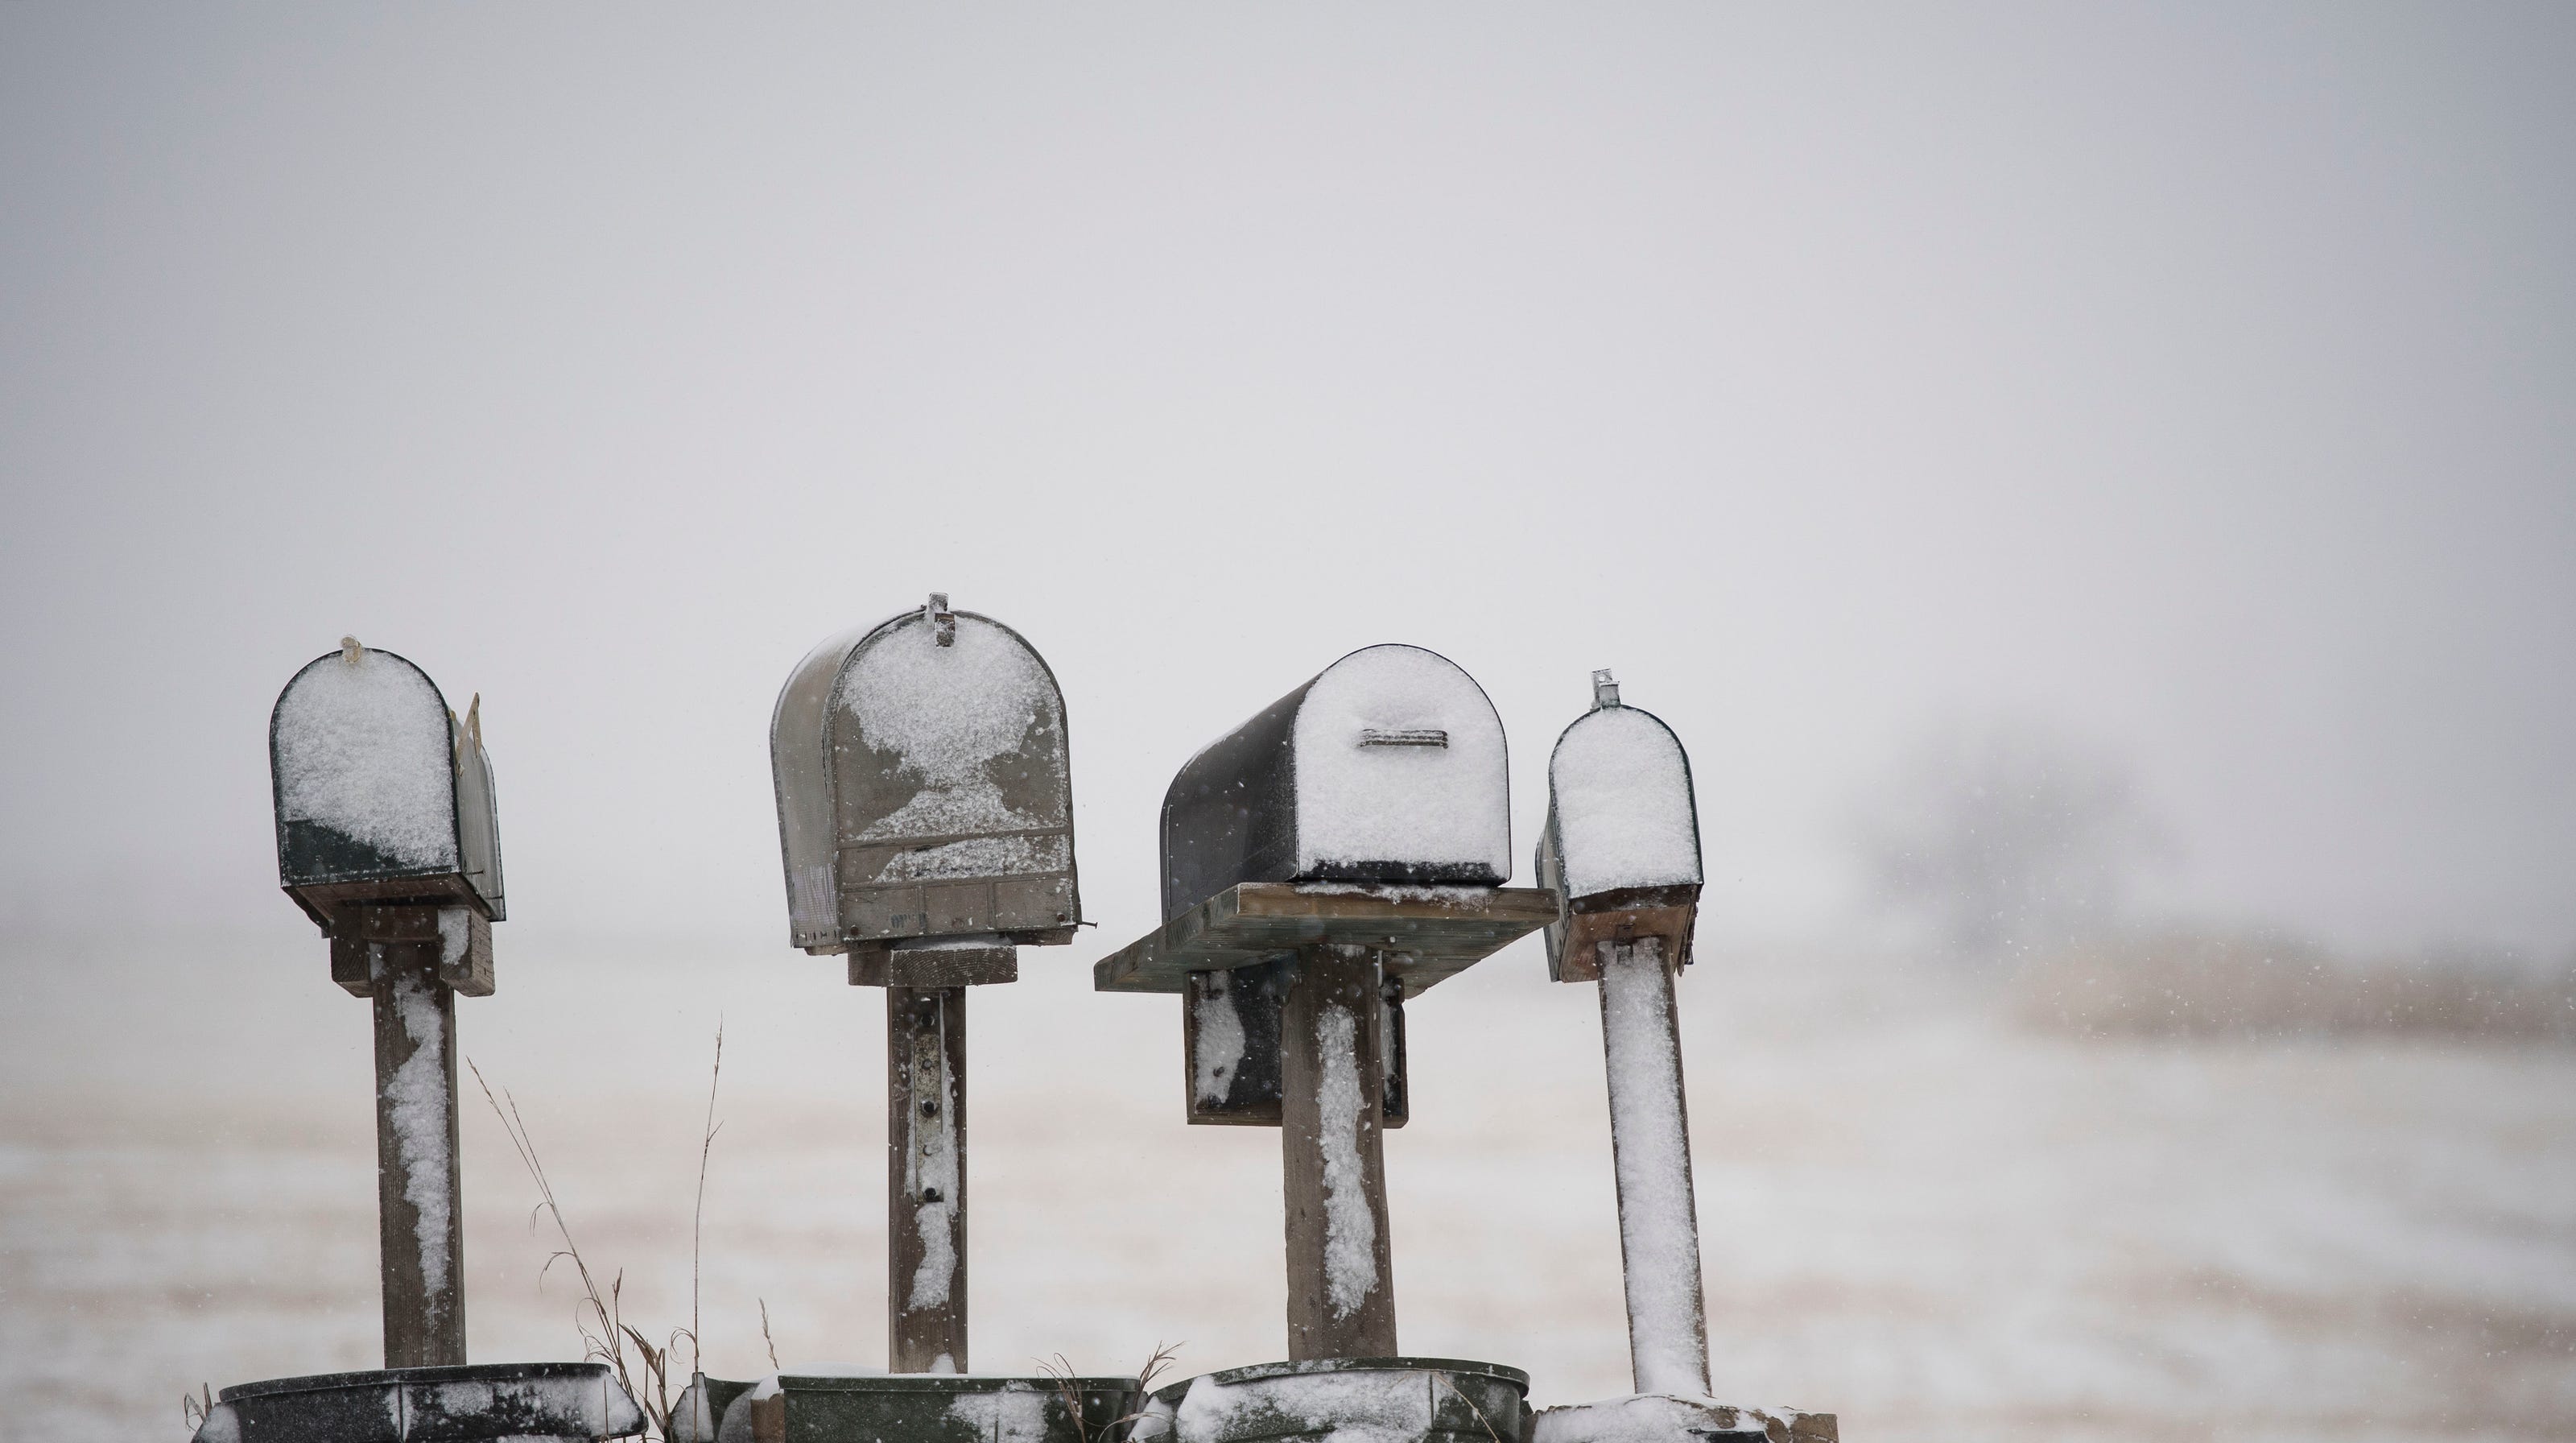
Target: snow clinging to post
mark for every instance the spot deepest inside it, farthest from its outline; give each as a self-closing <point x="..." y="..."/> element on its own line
<point x="1658" y="1227"/>
<point x="1218" y="1048"/>
<point x="421" y="1107"/>
<point x="1350" y="1229"/>
<point x="933" y="1184"/>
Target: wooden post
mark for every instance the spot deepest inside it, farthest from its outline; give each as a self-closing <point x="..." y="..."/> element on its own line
<point x="1650" y="1146"/>
<point x="926" y="1179"/>
<point x="419" y="1205"/>
<point x="1332" y="1080"/>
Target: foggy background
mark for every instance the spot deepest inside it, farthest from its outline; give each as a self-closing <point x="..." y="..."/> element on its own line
<point x="2091" y="486"/>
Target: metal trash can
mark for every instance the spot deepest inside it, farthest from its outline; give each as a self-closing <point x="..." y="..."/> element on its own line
<point x="1394" y="1400"/>
<point x="934" y="1408"/>
<point x="481" y="1403"/>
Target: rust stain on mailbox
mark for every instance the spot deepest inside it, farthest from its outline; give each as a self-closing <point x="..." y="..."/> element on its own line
<point x="924" y="787"/>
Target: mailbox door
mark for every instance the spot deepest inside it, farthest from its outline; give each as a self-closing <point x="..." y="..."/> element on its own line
<point x="1620" y="808"/>
<point x="800" y="768"/>
<point x="363" y="770"/>
<point x="952" y="786"/>
<point x="478" y="823"/>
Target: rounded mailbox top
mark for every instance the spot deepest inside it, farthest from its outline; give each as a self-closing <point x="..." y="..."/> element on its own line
<point x="924" y="786"/>
<point x="1620" y="806"/>
<point x="1386" y="767"/>
<point x="1399" y="757"/>
<point x="361" y="748"/>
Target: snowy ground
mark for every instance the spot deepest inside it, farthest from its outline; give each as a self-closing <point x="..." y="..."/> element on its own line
<point x="1917" y="1215"/>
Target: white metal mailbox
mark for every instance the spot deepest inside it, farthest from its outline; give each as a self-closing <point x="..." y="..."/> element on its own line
<point x="924" y="787"/>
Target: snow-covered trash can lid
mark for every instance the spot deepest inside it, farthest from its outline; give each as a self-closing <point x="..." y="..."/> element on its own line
<point x="382" y="794"/>
<point x="1386" y="767"/>
<point x="478" y="1403"/>
<point x="1382" y="1400"/>
<point x="925" y="787"/>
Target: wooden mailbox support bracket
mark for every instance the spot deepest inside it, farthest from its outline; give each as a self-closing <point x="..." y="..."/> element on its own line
<point x="1353" y="947"/>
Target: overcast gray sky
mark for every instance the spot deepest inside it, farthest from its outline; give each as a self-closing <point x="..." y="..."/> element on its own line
<point x="2196" y="380"/>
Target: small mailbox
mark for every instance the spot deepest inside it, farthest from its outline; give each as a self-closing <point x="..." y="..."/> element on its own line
<point x="383" y="796"/>
<point x="1621" y="849"/>
<point x="924" y="788"/>
<point x="1387" y="767"/>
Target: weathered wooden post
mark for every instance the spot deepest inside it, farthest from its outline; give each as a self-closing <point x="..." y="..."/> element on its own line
<point x="925" y="812"/>
<point x="1621" y="854"/>
<point x="387" y="837"/>
<point x="1621" y="851"/>
<point x="1323" y="864"/>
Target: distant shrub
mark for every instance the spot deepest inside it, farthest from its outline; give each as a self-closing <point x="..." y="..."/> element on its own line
<point x="2255" y="984"/>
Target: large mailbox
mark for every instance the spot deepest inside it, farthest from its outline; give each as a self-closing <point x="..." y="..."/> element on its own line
<point x="1388" y="767"/>
<point x="1621" y="848"/>
<point x="924" y="788"/>
<point x="383" y="795"/>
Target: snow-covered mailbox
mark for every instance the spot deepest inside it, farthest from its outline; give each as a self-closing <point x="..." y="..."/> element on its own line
<point x="925" y="794"/>
<point x="1337" y="854"/>
<point x="925" y="814"/>
<point x="385" y="815"/>
<point x="388" y="838"/>
<point x="1621" y="854"/>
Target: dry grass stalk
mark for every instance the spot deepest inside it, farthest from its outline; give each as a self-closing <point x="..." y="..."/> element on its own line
<point x="697" y="1219"/>
<point x="599" y="1317"/>
<point x="1068" y="1388"/>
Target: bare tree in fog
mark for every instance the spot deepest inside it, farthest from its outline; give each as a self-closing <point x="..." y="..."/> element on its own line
<point x="2007" y="838"/>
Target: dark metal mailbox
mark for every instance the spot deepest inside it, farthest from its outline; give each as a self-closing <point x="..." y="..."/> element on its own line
<point x="1621" y="848"/>
<point x="383" y="796"/>
<point x="924" y="788"/>
<point x="1387" y="767"/>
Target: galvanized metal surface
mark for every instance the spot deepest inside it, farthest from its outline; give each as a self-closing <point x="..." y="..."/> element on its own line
<point x="851" y="817"/>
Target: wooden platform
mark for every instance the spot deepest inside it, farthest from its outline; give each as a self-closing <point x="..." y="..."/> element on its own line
<point x="1435" y="932"/>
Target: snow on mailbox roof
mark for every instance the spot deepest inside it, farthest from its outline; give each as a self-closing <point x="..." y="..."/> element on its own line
<point x="946" y="711"/>
<point x="1359" y="799"/>
<point x="1619" y="788"/>
<point x="363" y="747"/>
